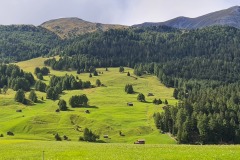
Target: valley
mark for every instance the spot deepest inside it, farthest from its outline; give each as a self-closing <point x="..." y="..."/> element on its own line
<point x="109" y="112"/>
<point x="75" y="89"/>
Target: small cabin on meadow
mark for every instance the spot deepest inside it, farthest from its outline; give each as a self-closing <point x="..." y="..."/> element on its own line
<point x="129" y="104"/>
<point x="19" y="110"/>
<point x="105" y="136"/>
<point x="140" y="141"/>
<point x="150" y="94"/>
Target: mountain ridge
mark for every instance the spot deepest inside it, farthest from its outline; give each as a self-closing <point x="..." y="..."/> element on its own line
<point x="73" y="26"/>
<point x="226" y="17"/>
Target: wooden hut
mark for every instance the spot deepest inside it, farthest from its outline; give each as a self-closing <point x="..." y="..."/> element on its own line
<point x="105" y="136"/>
<point x="129" y="104"/>
<point x="140" y="141"/>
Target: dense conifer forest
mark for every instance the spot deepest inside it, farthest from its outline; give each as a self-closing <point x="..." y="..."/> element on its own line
<point x="22" y="42"/>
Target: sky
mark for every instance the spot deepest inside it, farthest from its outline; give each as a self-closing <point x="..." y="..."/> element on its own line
<point x="126" y="12"/>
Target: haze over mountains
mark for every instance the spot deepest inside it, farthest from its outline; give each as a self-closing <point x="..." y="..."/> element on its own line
<point x="227" y="17"/>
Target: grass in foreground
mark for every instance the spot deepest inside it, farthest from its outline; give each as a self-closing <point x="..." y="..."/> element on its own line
<point x="32" y="150"/>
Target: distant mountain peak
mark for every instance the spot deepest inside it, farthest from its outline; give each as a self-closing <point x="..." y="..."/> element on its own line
<point x="226" y="17"/>
<point x="73" y="26"/>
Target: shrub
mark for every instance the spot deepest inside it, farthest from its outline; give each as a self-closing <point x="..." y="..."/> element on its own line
<point x="129" y="89"/>
<point x="141" y="97"/>
<point x="57" y="137"/>
<point x="62" y="104"/>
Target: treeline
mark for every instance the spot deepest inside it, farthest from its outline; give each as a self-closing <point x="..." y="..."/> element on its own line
<point x="81" y="63"/>
<point x="206" y="116"/>
<point x="22" y="42"/>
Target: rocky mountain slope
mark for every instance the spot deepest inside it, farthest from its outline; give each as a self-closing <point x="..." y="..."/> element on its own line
<point x="227" y="17"/>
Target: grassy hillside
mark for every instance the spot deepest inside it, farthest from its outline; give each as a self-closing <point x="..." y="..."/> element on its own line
<point x="29" y="150"/>
<point x="71" y="27"/>
<point x="109" y="112"/>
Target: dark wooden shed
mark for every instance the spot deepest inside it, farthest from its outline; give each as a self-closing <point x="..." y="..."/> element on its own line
<point x="140" y="141"/>
<point x="130" y="104"/>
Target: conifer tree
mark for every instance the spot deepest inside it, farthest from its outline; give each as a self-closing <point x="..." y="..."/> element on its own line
<point x="33" y="96"/>
<point x="20" y="96"/>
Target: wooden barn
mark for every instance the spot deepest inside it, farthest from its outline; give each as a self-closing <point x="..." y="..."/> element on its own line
<point x="129" y="104"/>
<point x="140" y="141"/>
<point x="105" y="136"/>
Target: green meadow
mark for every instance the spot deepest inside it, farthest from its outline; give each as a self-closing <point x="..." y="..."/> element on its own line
<point x="35" y="126"/>
<point x="109" y="113"/>
<point x="33" y="150"/>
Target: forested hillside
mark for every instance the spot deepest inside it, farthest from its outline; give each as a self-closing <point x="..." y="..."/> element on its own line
<point x="203" y="54"/>
<point x="21" y="42"/>
<point x="202" y="65"/>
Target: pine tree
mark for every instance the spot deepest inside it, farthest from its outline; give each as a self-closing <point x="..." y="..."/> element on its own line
<point x="141" y="97"/>
<point x="129" y="89"/>
<point x="98" y="83"/>
<point x="37" y="70"/>
<point x="33" y="96"/>
<point x="121" y="69"/>
<point x="40" y="86"/>
<point x="20" y="96"/>
<point x="78" y="71"/>
<point x="62" y="104"/>
<point x="175" y="93"/>
<point x="95" y="73"/>
<point x="155" y="101"/>
<point x="40" y="76"/>
<point x="45" y="71"/>
<point x="160" y="101"/>
<point x="203" y="128"/>
<point x="52" y="94"/>
<point x="89" y="136"/>
<point x="166" y="102"/>
<point x="57" y="137"/>
<point x="5" y="88"/>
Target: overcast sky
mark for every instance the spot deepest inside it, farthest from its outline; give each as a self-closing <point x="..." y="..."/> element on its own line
<point x="126" y="12"/>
